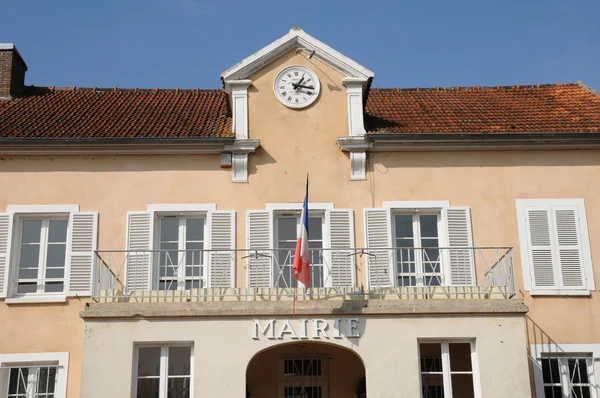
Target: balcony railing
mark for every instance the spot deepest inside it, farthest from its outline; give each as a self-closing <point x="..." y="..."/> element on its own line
<point x="208" y="275"/>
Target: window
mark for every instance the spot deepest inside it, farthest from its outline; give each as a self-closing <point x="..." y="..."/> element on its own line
<point x="34" y="375"/>
<point x="181" y="245"/>
<point x="447" y="369"/>
<point x="416" y="238"/>
<point x="286" y="238"/>
<point x="32" y="382"/>
<point x="555" y="249"/>
<point x="304" y="378"/>
<point x="42" y="255"/>
<point x="164" y="371"/>
<point x="567" y="375"/>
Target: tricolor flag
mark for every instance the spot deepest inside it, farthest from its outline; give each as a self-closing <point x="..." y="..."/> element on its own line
<point x="301" y="258"/>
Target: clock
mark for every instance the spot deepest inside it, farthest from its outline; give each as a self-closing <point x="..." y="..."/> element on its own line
<point x="297" y="87"/>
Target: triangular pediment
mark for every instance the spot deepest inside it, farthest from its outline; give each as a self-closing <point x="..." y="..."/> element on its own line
<point x="296" y="39"/>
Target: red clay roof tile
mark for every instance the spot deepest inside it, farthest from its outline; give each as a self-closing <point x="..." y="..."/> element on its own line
<point x="115" y="113"/>
<point x="469" y="110"/>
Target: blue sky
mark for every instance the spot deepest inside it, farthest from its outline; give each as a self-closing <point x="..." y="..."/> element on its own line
<point x="188" y="43"/>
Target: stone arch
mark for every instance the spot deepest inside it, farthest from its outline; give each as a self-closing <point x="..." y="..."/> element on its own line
<point x="341" y="373"/>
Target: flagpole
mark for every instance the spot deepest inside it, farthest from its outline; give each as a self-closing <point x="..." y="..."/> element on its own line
<point x="301" y="266"/>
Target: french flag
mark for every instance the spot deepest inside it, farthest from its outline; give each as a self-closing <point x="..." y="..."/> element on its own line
<point x="302" y="258"/>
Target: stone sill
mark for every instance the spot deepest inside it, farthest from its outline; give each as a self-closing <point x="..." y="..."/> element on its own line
<point x="366" y="307"/>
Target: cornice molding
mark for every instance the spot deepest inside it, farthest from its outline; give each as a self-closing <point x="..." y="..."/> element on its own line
<point x="466" y="142"/>
<point x="296" y="38"/>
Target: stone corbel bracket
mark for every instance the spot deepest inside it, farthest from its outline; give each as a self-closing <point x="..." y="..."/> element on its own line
<point x="239" y="157"/>
<point x="357" y="146"/>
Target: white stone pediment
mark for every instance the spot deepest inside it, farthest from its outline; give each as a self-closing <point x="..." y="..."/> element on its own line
<point x="296" y="39"/>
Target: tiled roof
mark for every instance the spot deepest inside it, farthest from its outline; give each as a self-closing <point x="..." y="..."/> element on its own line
<point x="517" y="109"/>
<point x="115" y="113"/>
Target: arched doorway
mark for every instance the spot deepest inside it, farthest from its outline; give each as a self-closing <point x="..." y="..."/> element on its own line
<point x="306" y="370"/>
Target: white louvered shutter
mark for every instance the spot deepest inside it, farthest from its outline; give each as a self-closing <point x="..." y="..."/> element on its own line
<point x="221" y="271"/>
<point x="140" y="226"/>
<point x="568" y="245"/>
<point x="341" y="241"/>
<point x="83" y="242"/>
<point x="541" y="256"/>
<point x="461" y="265"/>
<point x="6" y="224"/>
<point x="260" y="238"/>
<point x="379" y="236"/>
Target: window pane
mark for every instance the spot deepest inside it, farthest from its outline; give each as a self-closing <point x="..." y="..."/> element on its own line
<point x="17" y="383"/>
<point x="57" y="230"/>
<point x="433" y="386"/>
<point x="404" y="226"/>
<point x="460" y="357"/>
<point x="316" y="276"/>
<point x="179" y="388"/>
<point x="31" y="231"/>
<point x="56" y="256"/>
<point x="553" y="392"/>
<point x="194" y="229"/>
<point x="27" y="288"/>
<point x="189" y="285"/>
<point x="580" y="391"/>
<point x="287" y="228"/>
<point x="148" y="388"/>
<point x="550" y="370"/>
<point x="431" y="357"/>
<point x="54" y="287"/>
<point x="55" y="273"/>
<point x="193" y="255"/>
<point x="30" y="256"/>
<point x="179" y="361"/>
<point x="462" y="386"/>
<point x="51" y="380"/>
<point x="42" y="379"/>
<point x="28" y="273"/>
<point x="149" y="361"/>
<point x="578" y="371"/>
<point x="315" y="228"/>
<point x="169" y="229"/>
<point x="428" y="226"/>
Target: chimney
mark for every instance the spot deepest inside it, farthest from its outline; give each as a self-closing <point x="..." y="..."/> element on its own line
<point x="12" y="72"/>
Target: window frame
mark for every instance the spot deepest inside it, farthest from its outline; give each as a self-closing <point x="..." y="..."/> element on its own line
<point x="537" y="354"/>
<point x="20" y="212"/>
<point x="295" y="213"/>
<point x="586" y="259"/>
<point x="302" y="381"/>
<point x="156" y="239"/>
<point x="42" y="260"/>
<point x="419" y="207"/>
<point x="60" y="360"/>
<point x="446" y="371"/>
<point x="163" y="378"/>
<point x="419" y="273"/>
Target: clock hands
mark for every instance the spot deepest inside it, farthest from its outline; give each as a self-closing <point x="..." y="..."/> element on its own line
<point x="298" y="84"/>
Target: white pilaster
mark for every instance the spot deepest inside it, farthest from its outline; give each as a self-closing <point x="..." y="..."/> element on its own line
<point x="354" y="91"/>
<point x="358" y="166"/>
<point x="239" y="105"/>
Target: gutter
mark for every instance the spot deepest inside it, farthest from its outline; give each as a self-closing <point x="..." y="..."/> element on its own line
<point x="462" y="142"/>
<point x="109" y="146"/>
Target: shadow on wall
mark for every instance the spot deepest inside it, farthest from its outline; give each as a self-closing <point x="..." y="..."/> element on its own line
<point x="259" y="158"/>
<point x="350" y="308"/>
<point x="383" y="160"/>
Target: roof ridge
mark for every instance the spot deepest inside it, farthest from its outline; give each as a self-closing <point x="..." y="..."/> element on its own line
<point x="479" y="88"/>
<point x="126" y="90"/>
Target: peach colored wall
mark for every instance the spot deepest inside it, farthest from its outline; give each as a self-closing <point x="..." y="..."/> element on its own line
<point x="294" y="143"/>
<point x="344" y="369"/>
<point x="29" y="328"/>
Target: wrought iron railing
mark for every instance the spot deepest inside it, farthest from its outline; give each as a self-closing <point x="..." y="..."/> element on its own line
<point x="200" y="275"/>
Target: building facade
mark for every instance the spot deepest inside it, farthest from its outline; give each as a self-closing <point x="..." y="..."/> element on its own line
<point x="147" y="236"/>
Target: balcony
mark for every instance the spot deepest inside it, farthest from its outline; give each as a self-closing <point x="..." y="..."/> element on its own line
<point x="391" y="273"/>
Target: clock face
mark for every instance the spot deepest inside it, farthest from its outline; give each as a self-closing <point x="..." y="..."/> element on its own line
<point x="297" y="87"/>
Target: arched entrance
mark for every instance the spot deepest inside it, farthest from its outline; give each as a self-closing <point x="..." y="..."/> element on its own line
<point x="306" y="370"/>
